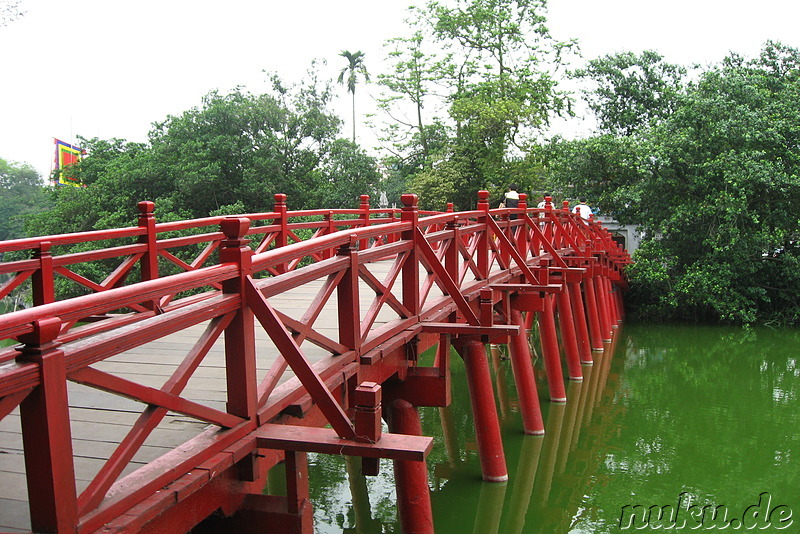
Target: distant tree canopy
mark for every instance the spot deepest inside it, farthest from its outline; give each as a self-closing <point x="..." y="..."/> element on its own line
<point x="21" y="193"/>
<point x="713" y="178"/>
<point x="483" y="72"/>
<point x="232" y="154"/>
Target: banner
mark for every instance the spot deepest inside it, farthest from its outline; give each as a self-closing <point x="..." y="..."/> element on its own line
<point x="66" y="155"/>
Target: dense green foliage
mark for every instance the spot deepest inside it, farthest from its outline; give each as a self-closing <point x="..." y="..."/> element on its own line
<point x="21" y="193"/>
<point x="714" y="183"/>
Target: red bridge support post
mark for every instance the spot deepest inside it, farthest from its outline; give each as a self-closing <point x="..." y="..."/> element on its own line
<point x="484" y="411"/>
<point x="602" y="302"/>
<point x="550" y="351"/>
<point x="46" y="436"/>
<point x="568" y="336"/>
<point x="579" y="315"/>
<point x="592" y="311"/>
<point x="411" y="478"/>
<point x="298" y="503"/>
<point x="522" y="366"/>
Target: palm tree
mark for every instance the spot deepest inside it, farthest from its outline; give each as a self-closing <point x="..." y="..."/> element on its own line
<point x="354" y="67"/>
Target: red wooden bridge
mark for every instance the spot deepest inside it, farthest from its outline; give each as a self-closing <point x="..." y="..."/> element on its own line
<point x="121" y="412"/>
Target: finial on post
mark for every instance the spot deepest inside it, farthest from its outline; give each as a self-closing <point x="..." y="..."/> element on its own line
<point x="483" y="200"/>
<point x="235" y="228"/>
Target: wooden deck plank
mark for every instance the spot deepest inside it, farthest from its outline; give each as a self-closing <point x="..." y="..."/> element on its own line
<point x="14" y="515"/>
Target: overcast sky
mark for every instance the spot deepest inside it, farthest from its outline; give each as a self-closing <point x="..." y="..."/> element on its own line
<point x="106" y="68"/>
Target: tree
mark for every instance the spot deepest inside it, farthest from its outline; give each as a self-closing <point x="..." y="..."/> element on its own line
<point x="10" y="11"/>
<point x="416" y="127"/>
<point x="435" y="186"/>
<point x="720" y="203"/>
<point x="632" y="91"/>
<point x="22" y="193"/>
<point x="232" y="153"/>
<point x="499" y="64"/>
<point x="350" y="73"/>
<point x="606" y="169"/>
<point x="346" y="173"/>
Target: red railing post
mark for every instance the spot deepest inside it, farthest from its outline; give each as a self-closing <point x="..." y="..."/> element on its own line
<point x="149" y="262"/>
<point x="46" y="436"/>
<point x="42" y="279"/>
<point x="282" y="239"/>
<point x="410" y="214"/>
<point x="522" y="233"/>
<point x="364" y="208"/>
<point x="240" y="357"/>
<point x="348" y="309"/>
<point x="547" y="228"/>
<point x="452" y="255"/>
<point x="483" y="241"/>
<point x="330" y="227"/>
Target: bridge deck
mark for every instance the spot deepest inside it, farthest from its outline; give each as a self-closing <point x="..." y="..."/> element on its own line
<point x="100" y="420"/>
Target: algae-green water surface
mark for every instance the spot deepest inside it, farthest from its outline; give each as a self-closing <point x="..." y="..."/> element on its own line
<point x="673" y="428"/>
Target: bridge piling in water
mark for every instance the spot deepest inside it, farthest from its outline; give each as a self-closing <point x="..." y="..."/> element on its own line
<point x="484" y="411"/>
<point x="411" y="478"/>
<point x="522" y="367"/>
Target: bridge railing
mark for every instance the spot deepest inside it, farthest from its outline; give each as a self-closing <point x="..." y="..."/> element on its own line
<point x="438" y="270"/>
<point x="151" y="248"/>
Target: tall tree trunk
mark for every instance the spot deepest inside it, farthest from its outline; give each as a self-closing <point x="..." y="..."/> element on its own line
<point x="354" y="117"/>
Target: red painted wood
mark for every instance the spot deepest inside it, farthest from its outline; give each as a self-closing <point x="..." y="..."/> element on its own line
<point x="327" y="441"/>
<point x="550" y="350"/>
<point x="569" y="338"/>
<point x="466" y="254"/>
<point x="294" y="356"/>
<point x="484" y="411"/>
<point x="524" y="378"/>
<point x="46" y="435"/>
<point x="411" y="478"/>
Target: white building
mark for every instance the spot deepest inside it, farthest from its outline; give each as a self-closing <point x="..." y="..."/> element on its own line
<point x="628" y="236"/>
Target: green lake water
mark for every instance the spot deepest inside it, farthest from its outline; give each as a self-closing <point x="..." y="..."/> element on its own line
<point x="701" y="424"/>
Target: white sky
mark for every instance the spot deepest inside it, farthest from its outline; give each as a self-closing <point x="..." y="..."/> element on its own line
<point x="107" y="68"/>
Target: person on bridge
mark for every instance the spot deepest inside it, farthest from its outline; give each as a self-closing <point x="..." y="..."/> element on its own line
<point x="543" y="203"/>
<point x="583" y="209"/>
<point x="511" y="199"/>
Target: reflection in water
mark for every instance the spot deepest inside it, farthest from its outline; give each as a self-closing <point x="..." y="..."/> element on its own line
<point x="712" y="412"/>
<point x="490" y="508"/>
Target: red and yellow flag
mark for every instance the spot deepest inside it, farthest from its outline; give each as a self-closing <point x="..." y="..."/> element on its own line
<point x="67" y="156"/>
